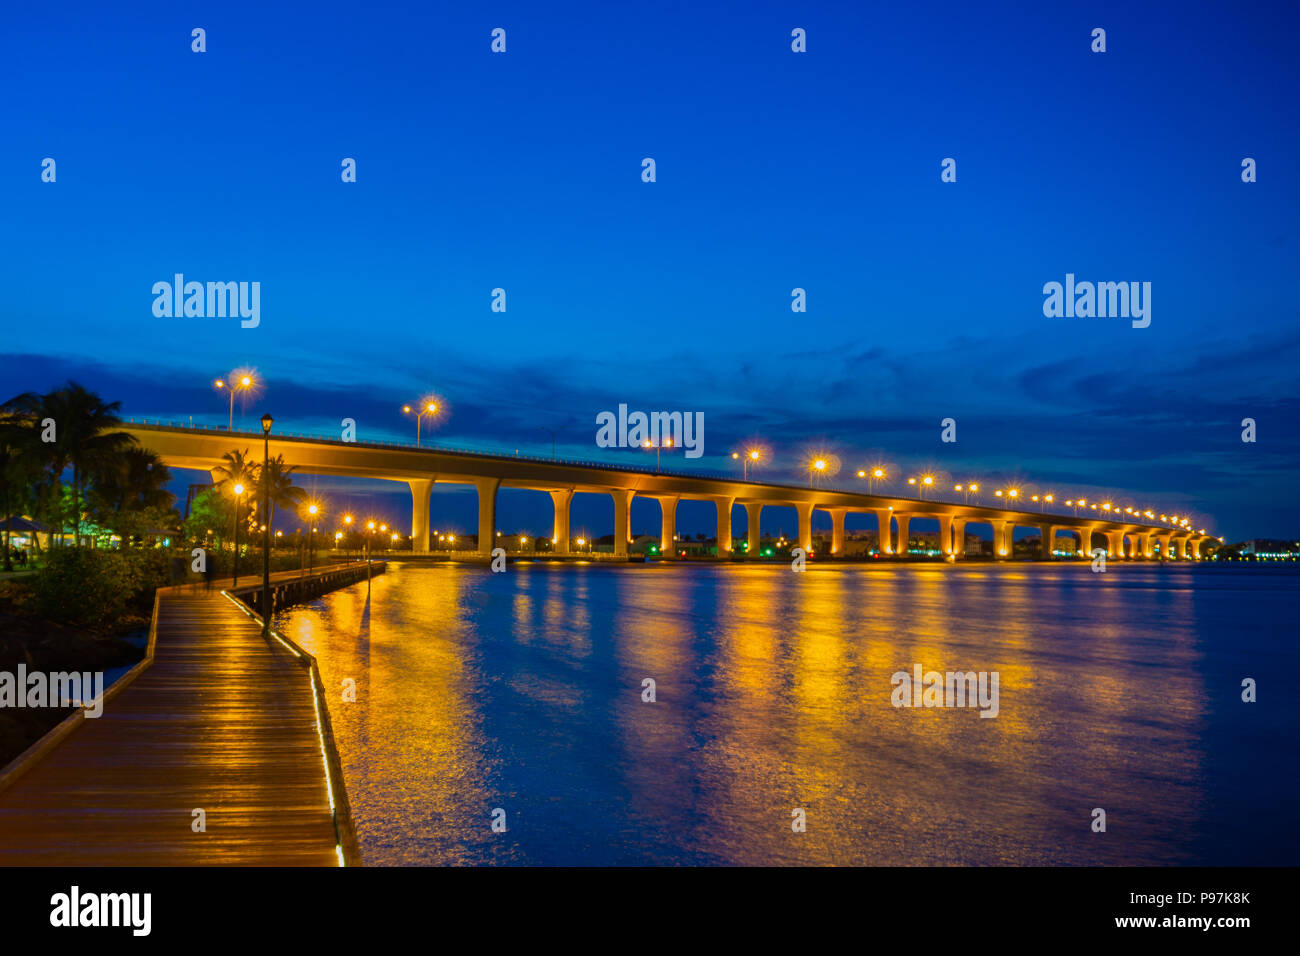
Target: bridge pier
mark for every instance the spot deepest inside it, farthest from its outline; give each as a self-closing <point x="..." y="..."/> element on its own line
<point x="959" y="538"/>
<point x="487" y="514"/>
<point x="723" y="505"/>
<point x="804" y="511"/>
<point x="668" y="526"/>
<point x="622" y="507"/>
<point x="1085" y="542"/>
<point x="1048" y="535"/>
<point x="884" y="532"/>
<point x="837" y="530"/>
<point x="1003" y="533"/>
<point x="1115" y="545"/>
<point x="421" y="488"/>
<point x="903" y="522"/>
<point x="945" y="534"/>
<point x="1180" y="547"/>
<point x="1144" y="545"/>
<point x="560" y="527"/>
<point x="754" y="537"/>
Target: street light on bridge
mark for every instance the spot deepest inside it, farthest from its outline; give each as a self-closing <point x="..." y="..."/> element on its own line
<point x="239" y="381"/>
<point x="872" y="476"/>
<point x="427" y="406"/>
<point x="751" y="454"/>
<point x="666" y="443"/>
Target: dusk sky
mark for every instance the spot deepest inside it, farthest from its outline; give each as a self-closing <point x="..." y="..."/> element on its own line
<point x="775" y="170"/>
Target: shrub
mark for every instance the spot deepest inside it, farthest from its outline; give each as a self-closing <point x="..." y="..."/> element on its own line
<point x="99" y="588"/>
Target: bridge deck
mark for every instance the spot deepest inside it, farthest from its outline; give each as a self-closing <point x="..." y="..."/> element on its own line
<point x="220" y="721"/>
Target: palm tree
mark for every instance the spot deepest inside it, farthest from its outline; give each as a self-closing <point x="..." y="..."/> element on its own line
<point x="135" y="479"/>
<point x="279" y="488"/>
<point x="80" y="428"/>
<point x="236" y="468"/>
<point x="130" y="488"/>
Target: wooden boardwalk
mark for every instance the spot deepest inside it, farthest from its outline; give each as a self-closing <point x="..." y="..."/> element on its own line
<point x="222" y="720"/>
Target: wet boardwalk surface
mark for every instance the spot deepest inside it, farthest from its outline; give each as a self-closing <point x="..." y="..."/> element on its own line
<point x="222" y="721"/>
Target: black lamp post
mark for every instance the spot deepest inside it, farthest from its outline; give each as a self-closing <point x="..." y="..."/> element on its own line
<point x="239" y="492"/>
<point x="266" y="525"/>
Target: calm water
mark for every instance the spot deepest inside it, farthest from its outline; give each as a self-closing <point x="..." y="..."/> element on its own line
<point x="523" y="691"/>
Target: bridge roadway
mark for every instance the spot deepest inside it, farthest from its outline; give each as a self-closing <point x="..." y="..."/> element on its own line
<point x="420" y="468"/>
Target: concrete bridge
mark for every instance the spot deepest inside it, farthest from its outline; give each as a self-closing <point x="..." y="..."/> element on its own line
<point x="1122" y="536"/>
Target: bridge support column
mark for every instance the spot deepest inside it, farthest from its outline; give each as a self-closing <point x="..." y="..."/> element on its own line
<point x="421" y="488"/>
<point x="1085" y="542"/>
<point x="804" y="511"/>
<point x="1196" y="548"/>
<point x="1114" y="545"/>
<point x="1180" y="548"/>
<point x="723" y="505"/>
<point x="753" y="511"/>
<point x="903" y="521"/>
<point x="945" y="534"/>
<point x="837" y="530"/>
<point x="668" y="527"/>
<point x="1144" y="545"/>
<point x="1003" y="532"/>
<point x="560" y="528"/>
<point x="1163" y="540"/>
<point x="959" y="538"/>
<point x="1048" y="533"/>
<point x="622" y="518"/>
<point x="487" y="514"/>
<point x="884" y="531"/>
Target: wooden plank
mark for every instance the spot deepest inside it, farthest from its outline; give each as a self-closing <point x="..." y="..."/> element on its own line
<point x="222" y="720"/>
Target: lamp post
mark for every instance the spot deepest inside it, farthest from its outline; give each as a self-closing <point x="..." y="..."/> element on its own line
<point x="312" y="509"/>
<point x="751" y="454"/>
<point x="428" y="407"/>
<point x="267" y="421"/>
<point x="666" y="443"/>
<point x="239" y="490"/>
<point x="236" y="383"/>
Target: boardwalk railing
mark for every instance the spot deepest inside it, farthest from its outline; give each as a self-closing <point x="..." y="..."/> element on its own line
<point x="284" y="594"/>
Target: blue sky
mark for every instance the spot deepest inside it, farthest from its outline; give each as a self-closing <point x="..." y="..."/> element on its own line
<point x="775" y="170"/>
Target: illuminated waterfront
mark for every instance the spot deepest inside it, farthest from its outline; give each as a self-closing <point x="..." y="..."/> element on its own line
<point x="523" y="691"/>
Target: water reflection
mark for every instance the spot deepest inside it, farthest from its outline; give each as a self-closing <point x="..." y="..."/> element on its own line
<point x="524" y="691"/>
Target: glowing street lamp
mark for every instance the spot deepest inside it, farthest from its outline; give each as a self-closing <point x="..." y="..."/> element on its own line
<point x="239" y="491"/>
<point x="428" y="406"/>
<point x="872" y="476"/>
<point x="238" y="382"/>
<point x="313" y="509"/>
<point x="751" y="454"/>
<point x="267" y="422"/>
<point x="666" y="443"/>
